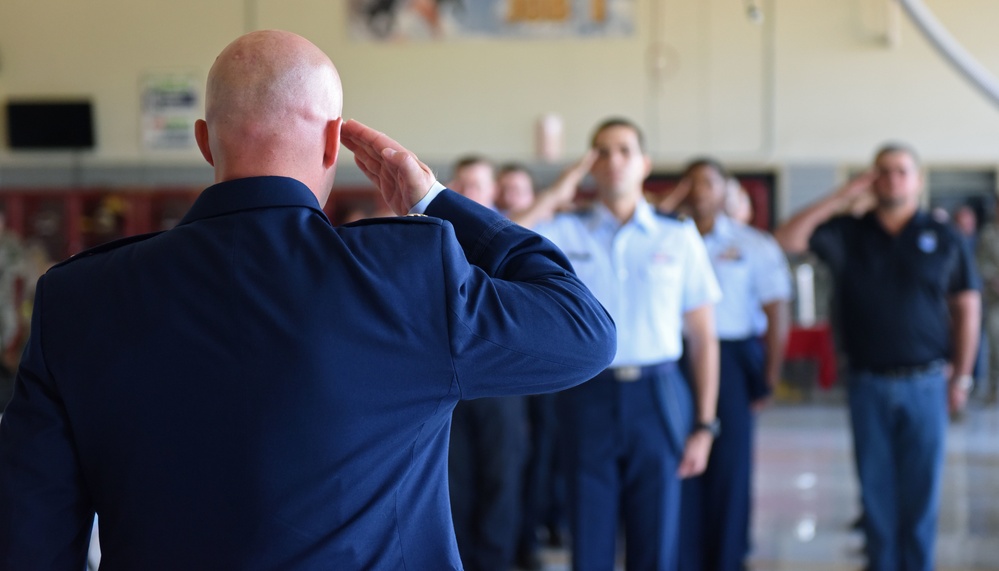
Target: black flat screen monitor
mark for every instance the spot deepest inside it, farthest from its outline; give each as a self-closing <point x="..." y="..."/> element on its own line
<point x="50" y="124"/>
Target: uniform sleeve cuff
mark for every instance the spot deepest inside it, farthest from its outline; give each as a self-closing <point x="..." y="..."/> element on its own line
<point x="421" y="206"/>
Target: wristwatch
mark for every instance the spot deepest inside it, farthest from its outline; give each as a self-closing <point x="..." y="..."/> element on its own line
<point x="713" y="427"/>
<point x="965" y="382"/>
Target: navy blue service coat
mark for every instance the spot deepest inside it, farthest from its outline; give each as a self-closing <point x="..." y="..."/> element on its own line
<point x="257" y="389"/>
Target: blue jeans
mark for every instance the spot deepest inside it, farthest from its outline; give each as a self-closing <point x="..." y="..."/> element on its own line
<point x="899" y="429"/>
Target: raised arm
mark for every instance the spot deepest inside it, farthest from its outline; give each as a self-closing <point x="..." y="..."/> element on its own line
<point x="794" y="234"/>
<point x="559" y="195"/>
<point x="520" y="321"/>
<point x="672" y="200"/>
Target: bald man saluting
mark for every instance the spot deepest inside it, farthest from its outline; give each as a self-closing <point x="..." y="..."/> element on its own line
<point x="257" y="389"/>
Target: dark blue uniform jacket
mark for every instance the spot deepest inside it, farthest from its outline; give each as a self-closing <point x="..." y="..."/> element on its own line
<point x="257" y="389"/>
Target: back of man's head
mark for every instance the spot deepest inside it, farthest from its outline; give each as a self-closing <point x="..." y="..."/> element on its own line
<point x="272" y="103"/>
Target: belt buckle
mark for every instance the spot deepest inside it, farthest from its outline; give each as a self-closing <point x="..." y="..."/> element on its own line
<point x="915" y="370"/>
<point x="627" y="374"/>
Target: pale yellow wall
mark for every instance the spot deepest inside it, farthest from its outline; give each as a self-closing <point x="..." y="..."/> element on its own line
<point x="836" y="89"/>
<point x="842" y="88"/>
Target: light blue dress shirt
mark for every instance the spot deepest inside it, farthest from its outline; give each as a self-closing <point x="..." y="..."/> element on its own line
<point x="752" y="271"/>
<point x="647" y="273"/>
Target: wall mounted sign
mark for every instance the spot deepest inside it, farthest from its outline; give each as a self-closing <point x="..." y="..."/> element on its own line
<point x="170" y="105"/>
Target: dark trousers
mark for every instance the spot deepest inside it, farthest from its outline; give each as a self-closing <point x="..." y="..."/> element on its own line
<point x="543" y="497"/>
<point x="622" y="442"/>
<point x="485" y="469"/>
<point x="6" y="386"/>
<point x="716" y="505"/>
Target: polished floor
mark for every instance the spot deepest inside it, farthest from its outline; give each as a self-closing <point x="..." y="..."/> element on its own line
<point x="806" y="492"/>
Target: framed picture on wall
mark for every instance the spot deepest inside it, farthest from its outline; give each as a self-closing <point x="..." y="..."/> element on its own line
<point x="421" y="20"/>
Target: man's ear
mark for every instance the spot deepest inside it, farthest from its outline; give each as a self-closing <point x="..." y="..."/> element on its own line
<point x="332" y="148"/>
<point x="201" y="136"/>
<point x="647" y="161"/>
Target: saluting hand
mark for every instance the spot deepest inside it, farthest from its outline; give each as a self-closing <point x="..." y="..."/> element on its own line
<point x="559" y="195"/>
<point x="401" y="178"/>
<point x="672" y="200"/>
<point x="855" y="194"/>
<point x="857" y="185"/>
<point x="564" y="189"/>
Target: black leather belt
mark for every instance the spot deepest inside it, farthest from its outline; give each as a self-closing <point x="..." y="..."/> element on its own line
<point x="907" y="371"/>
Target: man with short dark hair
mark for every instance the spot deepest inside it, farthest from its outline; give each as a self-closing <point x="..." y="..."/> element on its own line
<point x="474" y="177"/>
<point x="515" y="189"/>
<point x="631" y="433"/>
<point x="756" y="285"/>
<point x="907" y="303"/>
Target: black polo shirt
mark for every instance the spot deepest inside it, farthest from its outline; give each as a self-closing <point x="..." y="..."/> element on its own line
<point x="891" y="292"/>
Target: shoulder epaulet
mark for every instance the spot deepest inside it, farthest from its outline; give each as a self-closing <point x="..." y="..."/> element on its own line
<point x="679" y="217"/>
<point x="107" y="247"/>
<point x="407" y="219"/>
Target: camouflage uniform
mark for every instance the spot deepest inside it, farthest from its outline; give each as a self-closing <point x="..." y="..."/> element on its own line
<point x="11" y="267"/>
<point x="988" y="265"/>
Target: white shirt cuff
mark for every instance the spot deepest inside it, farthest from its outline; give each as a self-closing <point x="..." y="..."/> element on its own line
<point x="421" y="206"/>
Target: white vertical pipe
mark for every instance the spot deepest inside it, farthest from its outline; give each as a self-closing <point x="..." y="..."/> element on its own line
<point x="952" y="51"/>
<point x="250" y="15"/>
<point x="893" y="21"/>
<point x="804" y="278"/>
<point x="655" y="55"/>
<point x="768" y="138"/>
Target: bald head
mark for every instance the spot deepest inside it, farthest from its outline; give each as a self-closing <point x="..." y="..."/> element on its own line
<point x="272" y="104"/>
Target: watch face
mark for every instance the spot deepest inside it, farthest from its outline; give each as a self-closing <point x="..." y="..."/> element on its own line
<point x="965" y="382"/>
<point x="714" y="427"/>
